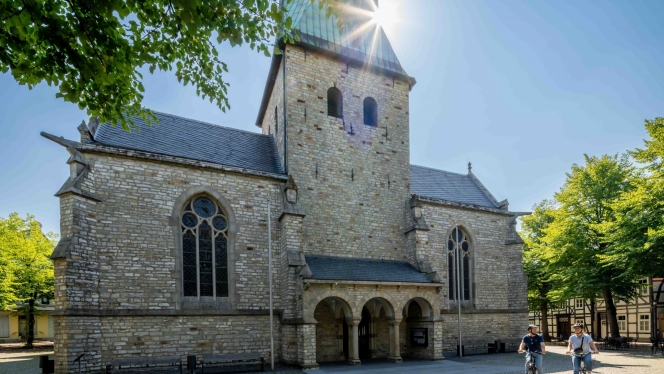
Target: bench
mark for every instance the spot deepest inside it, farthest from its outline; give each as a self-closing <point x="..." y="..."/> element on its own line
<point x="118" y="364"/>
<point x="474" y="347"/>
<point x="508" y="344"/>
<point x="238" y="359"/>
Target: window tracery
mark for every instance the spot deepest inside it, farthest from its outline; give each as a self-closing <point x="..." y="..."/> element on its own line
<point x="459" y="242"/>
<point x="204" y="248"/>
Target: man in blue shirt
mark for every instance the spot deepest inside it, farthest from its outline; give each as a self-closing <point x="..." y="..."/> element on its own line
<point x="533" y="344"/>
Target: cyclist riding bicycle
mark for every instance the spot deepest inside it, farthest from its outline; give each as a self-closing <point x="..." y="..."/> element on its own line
<point x="580" y="344"/>
<point x="534" y="343"/>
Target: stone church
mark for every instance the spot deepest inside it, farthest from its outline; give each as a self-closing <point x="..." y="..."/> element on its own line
<point x="164" y="231"/>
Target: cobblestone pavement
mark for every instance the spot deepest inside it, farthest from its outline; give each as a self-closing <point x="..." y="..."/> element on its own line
<point x="629" y="361"/>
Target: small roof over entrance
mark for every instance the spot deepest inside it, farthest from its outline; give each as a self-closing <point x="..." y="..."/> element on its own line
<point x="360" y="269"/>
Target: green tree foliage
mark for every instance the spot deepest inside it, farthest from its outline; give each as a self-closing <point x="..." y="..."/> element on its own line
<point x="27" y="270"/>
<point x="92" y="50"/>
<point x="638" y="230"/>
<point x="577" y="241"/>
<point x="535" y="263"/>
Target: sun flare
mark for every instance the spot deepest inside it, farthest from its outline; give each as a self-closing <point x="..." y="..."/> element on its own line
<point x="386" y="15"/>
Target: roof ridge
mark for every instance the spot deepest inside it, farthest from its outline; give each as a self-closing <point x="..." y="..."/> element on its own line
<point x="439" y="170"/>
<point x="208" y="123"/>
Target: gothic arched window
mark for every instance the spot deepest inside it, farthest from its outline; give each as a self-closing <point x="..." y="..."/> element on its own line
<point x="204" y="248"/>
<point x="459" y="242"/>
<point x="334" y="102"/>
<point x="370" y="112"/>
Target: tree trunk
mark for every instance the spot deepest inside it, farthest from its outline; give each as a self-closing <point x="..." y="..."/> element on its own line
<point x="612" y="320"/>
<point x="544" y="323"/>
<point x="31" y="323"/>
<point x="592" y="319"/>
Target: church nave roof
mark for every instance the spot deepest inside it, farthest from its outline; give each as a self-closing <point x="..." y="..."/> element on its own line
<point x="196" y="140"/>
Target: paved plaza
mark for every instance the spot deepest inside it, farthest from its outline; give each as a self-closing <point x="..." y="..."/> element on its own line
<point x="638" y="360"/>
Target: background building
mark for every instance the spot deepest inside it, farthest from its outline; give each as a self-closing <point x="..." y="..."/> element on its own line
<point x="15" y="328"/>
<point x="641" y="318"/>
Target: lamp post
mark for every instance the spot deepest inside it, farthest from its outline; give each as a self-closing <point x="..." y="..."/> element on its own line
<point x="458" y="298"/>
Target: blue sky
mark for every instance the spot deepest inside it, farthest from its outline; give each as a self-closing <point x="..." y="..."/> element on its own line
<point x="522" y="89"/>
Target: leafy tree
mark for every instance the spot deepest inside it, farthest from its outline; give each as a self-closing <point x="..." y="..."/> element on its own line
<point x="92" y="49"/>
<point x="535" y="263"/>
<point x="638" y="231"/>
<point x="27" y="269"/>
<point x="577" y="238"/>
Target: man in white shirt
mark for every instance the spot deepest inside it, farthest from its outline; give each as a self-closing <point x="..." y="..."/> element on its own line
<point x="580" y="344"/>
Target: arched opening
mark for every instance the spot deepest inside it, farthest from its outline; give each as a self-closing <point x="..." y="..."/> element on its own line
<point x="417" y="329"/>
<point x="332" y="331"/>
<point x="370" y="112"/>
<point x="334" y="102"/>
<point x="376" y="341"/>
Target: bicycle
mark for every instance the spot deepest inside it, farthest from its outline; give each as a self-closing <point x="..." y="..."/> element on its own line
<point x="582" y="364"/>
<point x="532" y="366"/>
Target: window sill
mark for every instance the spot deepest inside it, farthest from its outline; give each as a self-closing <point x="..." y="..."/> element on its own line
<point x="206" y="303"/>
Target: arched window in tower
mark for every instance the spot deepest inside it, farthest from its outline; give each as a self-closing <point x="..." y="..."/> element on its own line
<point x="370" y="112"/>
<point x="204" y="248"/>
<point x="334" y="102"/>
<point x="459" y="243"/>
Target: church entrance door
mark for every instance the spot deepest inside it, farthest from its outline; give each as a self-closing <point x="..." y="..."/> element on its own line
<point x="364" y="336"/>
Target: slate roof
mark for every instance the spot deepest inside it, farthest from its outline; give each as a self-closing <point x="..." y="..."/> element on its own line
<point x="444" y="185"/>
<point x="369" y="46"/>
<point x="196" y="140"/>
<point x="357" y="269"/>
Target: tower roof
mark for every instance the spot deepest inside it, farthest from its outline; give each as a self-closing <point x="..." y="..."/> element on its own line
<point x="361" y="43"/>
<point x="364" y="42"/>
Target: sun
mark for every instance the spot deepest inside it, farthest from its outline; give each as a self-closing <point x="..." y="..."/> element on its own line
<point x="386" y="15"/>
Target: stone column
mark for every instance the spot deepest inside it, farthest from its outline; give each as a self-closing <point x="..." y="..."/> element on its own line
<point x="354" y="358"/>
<point x="395" y="351"/>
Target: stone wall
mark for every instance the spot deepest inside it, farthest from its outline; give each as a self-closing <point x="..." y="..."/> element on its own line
<point x="353" y="184"/>
<point x="127" y="336"/>
<point x="136" y="238"/>
<point x="124" y="256"/>
<point x="485" y="327"/>
<point x="497" y="266"/>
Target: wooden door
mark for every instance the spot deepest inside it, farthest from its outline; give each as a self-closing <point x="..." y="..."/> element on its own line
<point x="564" y="328"/>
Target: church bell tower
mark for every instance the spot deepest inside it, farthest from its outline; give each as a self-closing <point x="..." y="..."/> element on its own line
<point x="336" y="103"/>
